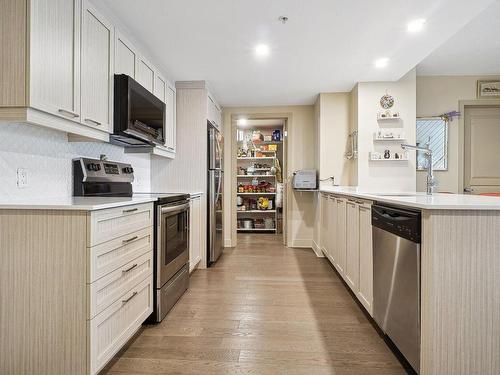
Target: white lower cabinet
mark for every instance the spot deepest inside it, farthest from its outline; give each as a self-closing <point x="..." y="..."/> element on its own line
<point x="324" y="200"/>
<point x="346" y="236"/>
<point x="120" y="278"/>
<point x="195" y="233"/>
<point x="340" y="235"/>
<point x="332" y="229"/>
<point x="352" y="245"/>
<point x="112" y="328"/>
<point x="365" y="290"/>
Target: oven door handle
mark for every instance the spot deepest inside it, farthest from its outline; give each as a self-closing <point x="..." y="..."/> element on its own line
<point x="180" y="207"/>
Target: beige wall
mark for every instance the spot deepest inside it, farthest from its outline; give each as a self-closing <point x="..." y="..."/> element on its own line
<point x="333" y="136"/>
<point x="301" y="146"/>
<point x="435" y="96"/>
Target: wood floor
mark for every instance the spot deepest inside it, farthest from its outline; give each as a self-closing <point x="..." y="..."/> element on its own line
<point x="262" y="309"/>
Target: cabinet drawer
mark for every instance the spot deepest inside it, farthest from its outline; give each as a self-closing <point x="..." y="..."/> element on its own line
<point x="116" y="222"/>
<point x="111" y="255"/>
<point x="109" y="288"/>
<point x="112" y="328"/>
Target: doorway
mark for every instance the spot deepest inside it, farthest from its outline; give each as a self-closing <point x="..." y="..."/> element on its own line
<point x="481" y="149"/>
<point x="260" y="171"/>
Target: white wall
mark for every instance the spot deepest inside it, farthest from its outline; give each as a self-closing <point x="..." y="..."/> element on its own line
<point x="47" y="156"/>
<point x="437" y="95"/>
<point x="392" y="175"/>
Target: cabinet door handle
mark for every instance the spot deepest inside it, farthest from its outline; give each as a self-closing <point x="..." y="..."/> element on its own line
<point x="130" y="239"/>
<point x="131" y="210"/>
<point x="68" y="113"/>
<point x="124" y="301"/>
<point x="130" y="268"/>
<point x="93" y="121"/>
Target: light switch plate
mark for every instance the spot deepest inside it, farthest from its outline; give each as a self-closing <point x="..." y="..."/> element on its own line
<point x="22" y="178"/>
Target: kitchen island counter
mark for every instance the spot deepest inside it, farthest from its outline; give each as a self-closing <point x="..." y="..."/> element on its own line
<point x="438" y="201"/>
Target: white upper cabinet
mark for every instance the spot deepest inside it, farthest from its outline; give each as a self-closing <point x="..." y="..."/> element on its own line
<point x="170" y="126"/>
<point x="214" y="112"/>
<point x="97" y="69"/>
<point x="145" y="74"/>
<point x="54" y="63"/>
<point x="160" y="87"/>
<point x="125" y="56"/>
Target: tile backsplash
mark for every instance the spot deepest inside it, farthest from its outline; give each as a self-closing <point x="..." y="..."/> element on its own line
<point x="46" y="155"/>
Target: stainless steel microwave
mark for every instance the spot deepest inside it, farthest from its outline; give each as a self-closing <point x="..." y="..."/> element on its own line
<point x="139" y="116"/>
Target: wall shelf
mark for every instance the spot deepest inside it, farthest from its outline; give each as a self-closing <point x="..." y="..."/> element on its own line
<point x="382" y="139"/>
<point x="391" y="159"/>
<point x="256" y="175"/>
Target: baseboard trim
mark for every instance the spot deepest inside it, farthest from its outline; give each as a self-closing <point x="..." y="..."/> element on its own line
<point x="317" y="250"/>
<point x="302" y="243"/>
<point x="228" y="242"/>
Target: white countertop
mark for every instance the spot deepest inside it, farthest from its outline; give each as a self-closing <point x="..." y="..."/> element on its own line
<point x="72" y="203"/>
<point x="438" y="201"/>
<point x="78" y="203"/>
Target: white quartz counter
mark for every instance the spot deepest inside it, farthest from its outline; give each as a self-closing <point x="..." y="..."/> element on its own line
<point x="419" y="200"/>
<point x="73" y="203"/>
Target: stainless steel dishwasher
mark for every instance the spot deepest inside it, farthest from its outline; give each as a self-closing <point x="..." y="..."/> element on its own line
<point x="396" y="278"/>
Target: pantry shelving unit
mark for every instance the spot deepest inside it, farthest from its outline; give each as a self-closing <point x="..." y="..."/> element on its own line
<point x="256" y="164"/>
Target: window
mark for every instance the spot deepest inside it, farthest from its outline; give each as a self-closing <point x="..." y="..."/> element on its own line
<point x="433" y="131"/>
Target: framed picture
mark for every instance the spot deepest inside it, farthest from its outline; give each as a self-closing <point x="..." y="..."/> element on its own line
<point x="488" y="89"/>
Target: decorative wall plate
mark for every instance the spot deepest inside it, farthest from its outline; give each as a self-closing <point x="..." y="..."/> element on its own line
<point x="386" y="101"/>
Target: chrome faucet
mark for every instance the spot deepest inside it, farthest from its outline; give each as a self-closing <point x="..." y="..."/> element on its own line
<point x="431" y="182"/>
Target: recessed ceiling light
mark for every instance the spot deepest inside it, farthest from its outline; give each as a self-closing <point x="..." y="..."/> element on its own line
<point x="242" y="121"/>
<point x="416" y="25"/>
<point x="382" y="62"/>
<point x="262" y="50"/>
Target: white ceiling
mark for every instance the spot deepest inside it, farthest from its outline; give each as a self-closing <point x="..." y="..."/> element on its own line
<point x="474" y="50"/>
<point x="326" y="46"/>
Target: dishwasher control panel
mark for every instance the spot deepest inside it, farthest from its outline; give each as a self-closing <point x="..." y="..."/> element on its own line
<point x="401" y="222"/>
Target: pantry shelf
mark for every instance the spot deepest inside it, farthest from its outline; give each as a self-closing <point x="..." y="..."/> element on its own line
<point x="255" y="211"/>
<point x="256" y="158"/>
<point x="256" y="193"/>
<point x="256" y="175"/>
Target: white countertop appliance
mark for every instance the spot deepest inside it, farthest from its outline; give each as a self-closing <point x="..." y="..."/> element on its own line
<point x="305" y="179"/>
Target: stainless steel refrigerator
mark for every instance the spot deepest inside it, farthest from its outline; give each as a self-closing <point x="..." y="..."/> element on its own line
<point x="215" y="194"/>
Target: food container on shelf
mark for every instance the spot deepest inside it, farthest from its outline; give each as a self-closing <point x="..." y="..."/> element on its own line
<point x="259" y="224"/>
<point x="268" y="138"/>
<point x="247" y="223"/>
<point x="269" y="223"/>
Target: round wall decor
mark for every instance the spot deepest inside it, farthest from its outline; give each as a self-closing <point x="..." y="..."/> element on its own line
<point x="386" y="101"/>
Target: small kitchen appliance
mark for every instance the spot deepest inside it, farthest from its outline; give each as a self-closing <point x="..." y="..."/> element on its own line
<point x="139" y="116"/>
<point x="305" y="179"/>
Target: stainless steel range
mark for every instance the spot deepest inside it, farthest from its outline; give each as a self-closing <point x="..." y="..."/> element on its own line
<point x="171" y="250"/>
<point x="102" y="178"/>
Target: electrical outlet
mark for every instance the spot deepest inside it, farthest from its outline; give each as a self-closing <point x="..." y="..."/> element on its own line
<point x="22" y="178"/>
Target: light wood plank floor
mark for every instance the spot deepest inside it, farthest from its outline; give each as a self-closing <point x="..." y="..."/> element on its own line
<point x="262" y="309"/>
